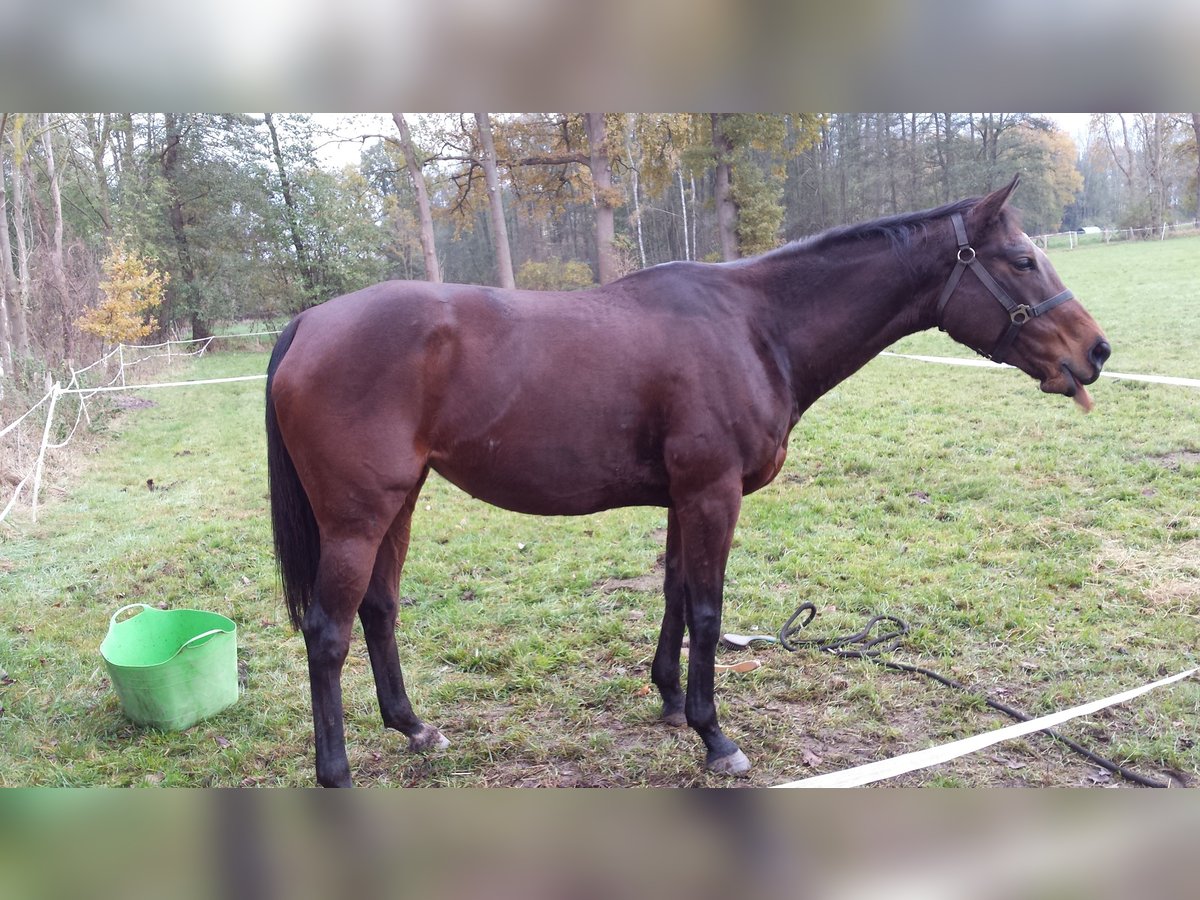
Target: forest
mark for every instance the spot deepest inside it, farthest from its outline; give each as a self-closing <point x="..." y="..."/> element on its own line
<point x="124" y="226"/>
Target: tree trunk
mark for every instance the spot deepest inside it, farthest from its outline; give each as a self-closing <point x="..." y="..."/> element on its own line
<point x="58" y="271"/>
<point x="432" y="271"/>
<point x="687" y="253"/>
<point x="293" y="219"/>
<point x="22" y="176"/>
<point x="695" y="217"/>
<point x="504" y="266"/>
<point x="723" y="194"/>
<point x="16" y="340"/>
<point x="637" y="203"/>
<point x="184" y="279"/>
<point x="126" y="156"/>
<point x="99" y="132"/>
<point x="606" y="260"/>
<point x="1196" y="131"/>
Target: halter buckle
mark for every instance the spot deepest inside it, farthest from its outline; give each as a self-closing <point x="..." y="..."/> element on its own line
<point x="966" y="260"/>
<point x="1021" y="315"/>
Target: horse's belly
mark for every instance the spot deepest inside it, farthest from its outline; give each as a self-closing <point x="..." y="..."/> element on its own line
<point x="551" y="482"/>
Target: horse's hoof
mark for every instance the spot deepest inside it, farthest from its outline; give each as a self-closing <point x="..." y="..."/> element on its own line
<point x="675" y="719"/>
<point x="428" y="738"/>
<point x="735" y="764"/>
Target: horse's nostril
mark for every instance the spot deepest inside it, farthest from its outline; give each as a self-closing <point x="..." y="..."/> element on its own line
<point x="1100" y="353"/>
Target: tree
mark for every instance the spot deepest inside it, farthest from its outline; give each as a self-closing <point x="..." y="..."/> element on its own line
<point x="58" y="270"/>
<point x="182" y="288"/>
<point x="500" y="245"/>
<point x="1196" y="149"/>
<point x="748" y="153"/>
<point x="130" y="294"/>
<point x="14" y="338"/>
<point x="605" y="197"/>
<point x="291" y="214"/>
<point x="722" y="148"/>
<point x="432" y="270"/>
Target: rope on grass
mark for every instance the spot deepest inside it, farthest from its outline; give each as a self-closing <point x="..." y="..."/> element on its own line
<point x="861" y="645"/>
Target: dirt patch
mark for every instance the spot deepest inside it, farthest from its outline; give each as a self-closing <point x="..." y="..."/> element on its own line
<point x="650" y="583"/>
<point x="128" y="401"/>
<point x="1176" y="459"/>
<point x="644" y="584"/>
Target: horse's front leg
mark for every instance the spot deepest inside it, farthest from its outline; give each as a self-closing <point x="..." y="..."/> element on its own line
<point x="707" y="519"/>
<point x="665" y="670"/>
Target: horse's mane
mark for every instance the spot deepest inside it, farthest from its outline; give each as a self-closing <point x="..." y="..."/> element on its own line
<point x="897" y="230"/>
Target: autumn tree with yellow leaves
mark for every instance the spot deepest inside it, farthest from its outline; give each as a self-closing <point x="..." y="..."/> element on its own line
<point x="131" y="292"/>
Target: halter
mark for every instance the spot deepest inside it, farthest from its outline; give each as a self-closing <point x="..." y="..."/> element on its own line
<point x="1018" y="313"/>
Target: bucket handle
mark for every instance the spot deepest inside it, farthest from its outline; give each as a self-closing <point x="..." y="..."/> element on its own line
<point x="200" y="637"/>
<point x="113" y="620"/>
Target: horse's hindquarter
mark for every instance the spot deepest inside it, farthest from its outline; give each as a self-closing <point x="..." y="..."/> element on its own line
<point x="555" y="404"/>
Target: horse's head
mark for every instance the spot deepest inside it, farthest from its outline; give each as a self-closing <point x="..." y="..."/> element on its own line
<point x="1004" y="300"/>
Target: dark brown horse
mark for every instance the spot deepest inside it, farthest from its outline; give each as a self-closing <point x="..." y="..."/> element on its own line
<point x="676" y="387"/>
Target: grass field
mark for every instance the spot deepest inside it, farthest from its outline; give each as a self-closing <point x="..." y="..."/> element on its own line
<point x="1040" y="555"/>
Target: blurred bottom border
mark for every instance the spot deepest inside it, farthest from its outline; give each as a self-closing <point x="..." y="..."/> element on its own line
<point x="581" y="844"/>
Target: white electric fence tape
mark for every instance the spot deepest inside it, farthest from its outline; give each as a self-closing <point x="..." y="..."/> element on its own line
<point x="161" y="384"/>
<point x="921" y="759"/>
<point x="84" y="393"/>
<point x="988" y="364"/>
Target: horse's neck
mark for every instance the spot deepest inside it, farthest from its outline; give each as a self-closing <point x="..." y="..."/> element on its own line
<point x="837" y="312"/>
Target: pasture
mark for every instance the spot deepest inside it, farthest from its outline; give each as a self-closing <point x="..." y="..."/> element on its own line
<point x="1041" y="555"/>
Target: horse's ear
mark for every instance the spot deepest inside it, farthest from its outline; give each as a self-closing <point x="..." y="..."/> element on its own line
<point x="987" y="210"/>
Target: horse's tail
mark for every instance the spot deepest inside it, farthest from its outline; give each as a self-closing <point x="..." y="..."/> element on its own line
<point x="297" y="539"/>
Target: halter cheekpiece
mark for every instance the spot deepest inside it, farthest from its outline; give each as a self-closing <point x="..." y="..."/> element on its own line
<point x="1018" y="313"/>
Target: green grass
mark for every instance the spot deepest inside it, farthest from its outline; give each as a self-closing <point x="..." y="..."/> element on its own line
<point x="1045" y="555"/>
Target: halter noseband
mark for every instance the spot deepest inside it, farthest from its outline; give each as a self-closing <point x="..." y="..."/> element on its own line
<point x="1018" y="313"/>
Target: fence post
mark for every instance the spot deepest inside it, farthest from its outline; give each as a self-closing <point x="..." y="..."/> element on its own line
<point x="121" y="363"/>
<point x="41" y="460"/>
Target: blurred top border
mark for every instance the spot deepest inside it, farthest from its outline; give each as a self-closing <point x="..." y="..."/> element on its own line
<point x="362" y="55"/>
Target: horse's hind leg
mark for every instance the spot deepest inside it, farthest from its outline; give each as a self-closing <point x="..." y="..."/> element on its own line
<point x="378" y="615"/>
<point x="342" y="578"/>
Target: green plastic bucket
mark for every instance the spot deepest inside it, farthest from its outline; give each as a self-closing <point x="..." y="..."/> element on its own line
<point x="171" y="668"/>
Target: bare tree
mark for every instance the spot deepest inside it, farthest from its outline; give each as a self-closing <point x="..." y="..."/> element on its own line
<point x="504" y="266"/>
<point x="428" y="249"/>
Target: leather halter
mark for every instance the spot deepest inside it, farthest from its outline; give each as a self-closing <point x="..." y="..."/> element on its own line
<point x="1018" y="313"/>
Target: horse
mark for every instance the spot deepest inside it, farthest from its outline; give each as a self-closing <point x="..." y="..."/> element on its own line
<point x="676" y="387"/>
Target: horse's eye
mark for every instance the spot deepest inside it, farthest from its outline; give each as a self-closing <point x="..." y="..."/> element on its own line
<point x="1024" y="263"/>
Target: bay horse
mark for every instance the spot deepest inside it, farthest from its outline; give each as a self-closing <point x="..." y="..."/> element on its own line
<point x="676" y="386"/>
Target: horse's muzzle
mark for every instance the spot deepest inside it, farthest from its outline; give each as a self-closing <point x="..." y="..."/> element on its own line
<point x="1098" y="356"/>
